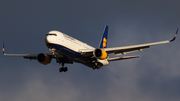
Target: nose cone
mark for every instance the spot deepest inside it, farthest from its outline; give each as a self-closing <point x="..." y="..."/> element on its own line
<point x="47" y="39"/>
<point x="50" y="39"/>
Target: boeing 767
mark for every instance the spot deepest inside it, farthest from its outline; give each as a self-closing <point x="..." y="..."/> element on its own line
<point x="66" y="50"/>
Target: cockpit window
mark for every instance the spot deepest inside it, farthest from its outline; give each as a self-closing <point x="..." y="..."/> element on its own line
<point x="51" y="34"/>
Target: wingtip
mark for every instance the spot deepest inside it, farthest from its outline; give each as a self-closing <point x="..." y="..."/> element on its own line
<point x="3" y="49"/>
<point x="177" y="30"/>
<point x="174" y="36"/>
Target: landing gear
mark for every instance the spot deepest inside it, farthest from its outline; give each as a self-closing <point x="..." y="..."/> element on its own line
<point x="63" y="69"/>
<point x="96" y="66"/>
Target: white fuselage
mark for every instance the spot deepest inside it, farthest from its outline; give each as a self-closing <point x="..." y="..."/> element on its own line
<point x="67" y="41"/>
<point x="69" y="47"/>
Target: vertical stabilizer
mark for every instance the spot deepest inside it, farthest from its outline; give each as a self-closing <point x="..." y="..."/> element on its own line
<point x="103" y="42"/>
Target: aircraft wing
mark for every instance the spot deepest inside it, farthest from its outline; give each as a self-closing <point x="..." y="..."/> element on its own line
<point x="59" y="58"/>
<point x="32" y="56"/>
<point x="27" y="56"/>
<point x="127" y="49"/>
<point x="133" y="48"/>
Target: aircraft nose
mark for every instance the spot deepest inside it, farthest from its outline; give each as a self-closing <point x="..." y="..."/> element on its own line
<point x="51" y="37"/>
<point x="48" y="39"/>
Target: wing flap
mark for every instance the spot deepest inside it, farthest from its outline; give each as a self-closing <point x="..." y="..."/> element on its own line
<point x="122" y="58"/>
<point x="125" y="51"/>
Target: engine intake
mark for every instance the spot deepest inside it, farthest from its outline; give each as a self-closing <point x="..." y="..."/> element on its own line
<point x="43" y="58"/>
<point x="100" y="53"/>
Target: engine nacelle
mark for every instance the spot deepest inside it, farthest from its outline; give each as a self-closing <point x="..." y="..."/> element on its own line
<point x="43" y="58"/>
<point x="100" y="53"/>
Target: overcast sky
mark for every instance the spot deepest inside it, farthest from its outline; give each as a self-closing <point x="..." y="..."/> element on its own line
<point x="153" y="77"/>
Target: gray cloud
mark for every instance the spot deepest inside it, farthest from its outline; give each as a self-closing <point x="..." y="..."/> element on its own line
<point x="153" y="77"/>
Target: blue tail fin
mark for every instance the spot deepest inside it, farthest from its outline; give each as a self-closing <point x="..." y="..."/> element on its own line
<point x="103" y="42"/>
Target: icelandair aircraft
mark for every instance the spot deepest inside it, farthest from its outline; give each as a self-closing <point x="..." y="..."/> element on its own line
<point x="66" y="50"/>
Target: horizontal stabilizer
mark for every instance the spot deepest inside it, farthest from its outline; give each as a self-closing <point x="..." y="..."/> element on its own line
<point x="122" y="58"/>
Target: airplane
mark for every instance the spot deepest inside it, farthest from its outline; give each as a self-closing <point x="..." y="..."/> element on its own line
<point x="66" y="50"/>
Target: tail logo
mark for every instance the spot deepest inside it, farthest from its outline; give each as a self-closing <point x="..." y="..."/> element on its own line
<point x="104" y="42"/>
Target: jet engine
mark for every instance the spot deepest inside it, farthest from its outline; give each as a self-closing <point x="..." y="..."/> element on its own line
<point x="43" y="58"/>
<point x="100" y="53"/>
